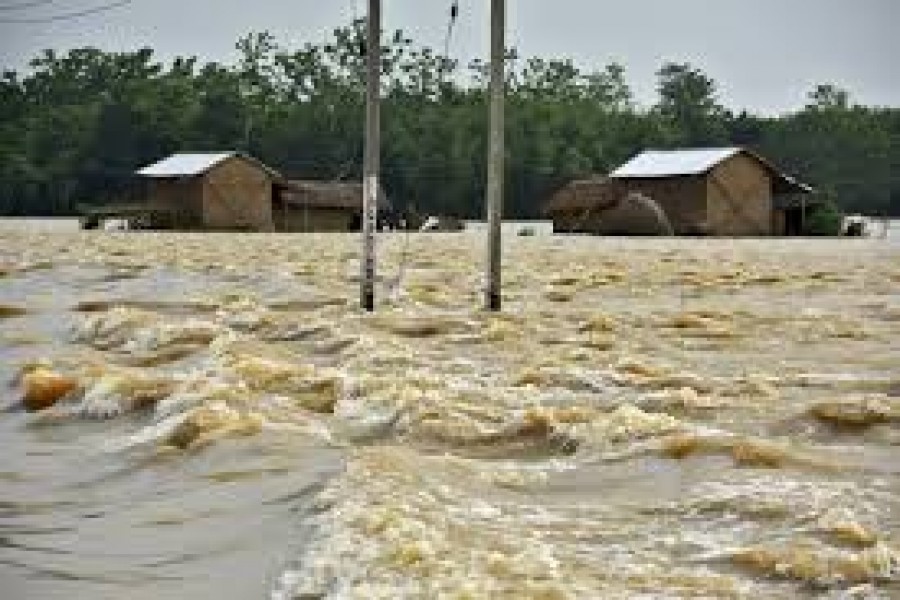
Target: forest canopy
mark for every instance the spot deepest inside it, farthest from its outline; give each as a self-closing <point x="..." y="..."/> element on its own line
<point x="76" y="125"/>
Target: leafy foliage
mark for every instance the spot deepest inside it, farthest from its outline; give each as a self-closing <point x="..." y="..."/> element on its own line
<point x="824" y="220"/>
<point x="75" y="126"/>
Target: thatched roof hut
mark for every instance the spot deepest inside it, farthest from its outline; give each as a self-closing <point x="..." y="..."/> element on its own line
<point x="575" y="207"/>
<point x="304" y="205"/>
<point x="700" y="191"/>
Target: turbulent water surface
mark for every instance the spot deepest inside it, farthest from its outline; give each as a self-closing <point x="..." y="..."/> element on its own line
<point x="646" y="418"/>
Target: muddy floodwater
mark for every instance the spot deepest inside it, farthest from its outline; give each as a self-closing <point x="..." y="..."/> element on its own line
<point x="212" y="417"/>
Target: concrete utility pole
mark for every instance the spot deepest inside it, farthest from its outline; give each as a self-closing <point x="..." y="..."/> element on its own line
<point x="494" y="189"/>
<point x="372" y="158"/>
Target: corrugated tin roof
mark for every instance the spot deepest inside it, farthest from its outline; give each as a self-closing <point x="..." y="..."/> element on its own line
<point x="673" y="163"/>
<point x="190" y="164"/>
<point x="677" y="163"/>
<point x="185" y="164"/>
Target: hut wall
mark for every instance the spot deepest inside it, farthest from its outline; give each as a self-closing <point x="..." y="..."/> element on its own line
<point x="565" y="220"/>
<point x="571" y="222"/>
<point x="565" y="217"/>
<point x="779" y="222"/>
<point x="682" y="198"/>
<point x="308" y="219"/>
<point x="575" y="220"/>
<point x="237" y="195"/>
<point x="182" y="198"/>
<point x="740" y="198"/>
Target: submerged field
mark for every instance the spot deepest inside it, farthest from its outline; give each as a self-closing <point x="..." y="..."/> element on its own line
<point x="646" y="418"/>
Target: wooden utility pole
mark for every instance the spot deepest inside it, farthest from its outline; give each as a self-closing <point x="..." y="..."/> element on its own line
<point x="494" y="188"/>
<point x="371" y="164"/>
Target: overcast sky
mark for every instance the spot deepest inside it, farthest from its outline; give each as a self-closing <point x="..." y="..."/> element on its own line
<point x="764" y="54"/>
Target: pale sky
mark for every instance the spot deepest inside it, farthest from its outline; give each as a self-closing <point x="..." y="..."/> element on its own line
<point x="764" y="54"/>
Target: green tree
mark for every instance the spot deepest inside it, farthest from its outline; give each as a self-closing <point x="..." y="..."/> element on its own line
<point x="77" y="124"/>
<point x="828" y="96"/>
<point x="844" y="150"/>
<point x="689" y="104"/>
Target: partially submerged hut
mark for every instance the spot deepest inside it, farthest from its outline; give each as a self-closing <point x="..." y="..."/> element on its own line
<point x="717" y="191"/>
<point x="576" y="207"/>
<point x="304" y="206"/>
<point x="233" y="191"/>
<point x="218" y="191"/>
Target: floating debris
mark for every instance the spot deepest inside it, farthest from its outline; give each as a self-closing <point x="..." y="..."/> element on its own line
<point x="43" y="388"/>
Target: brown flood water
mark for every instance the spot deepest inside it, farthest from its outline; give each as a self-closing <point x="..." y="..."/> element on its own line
<point x="646" y="419"/>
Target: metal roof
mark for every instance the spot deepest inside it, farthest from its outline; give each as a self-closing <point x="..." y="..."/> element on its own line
<point x="672" y="163"/>
<point x="190" y="164"/>
<point x="678" y="163"/>
<point x="185" y="164"/>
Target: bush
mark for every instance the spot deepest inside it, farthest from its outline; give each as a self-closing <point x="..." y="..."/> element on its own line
<point x="824" y="220"/>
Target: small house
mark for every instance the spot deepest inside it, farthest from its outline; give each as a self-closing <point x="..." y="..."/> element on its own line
<point x="305" y="206"/>
<point x="717" y="191"/>
<point x="210" y="191"/>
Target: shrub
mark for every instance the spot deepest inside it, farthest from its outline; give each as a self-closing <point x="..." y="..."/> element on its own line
<point x="824" y="220"/>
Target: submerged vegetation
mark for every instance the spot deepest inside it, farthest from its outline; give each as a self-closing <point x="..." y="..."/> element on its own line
<point x="76" y="125"/>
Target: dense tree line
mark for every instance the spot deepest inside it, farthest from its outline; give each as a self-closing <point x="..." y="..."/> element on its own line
<point x="76" y="125"/>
